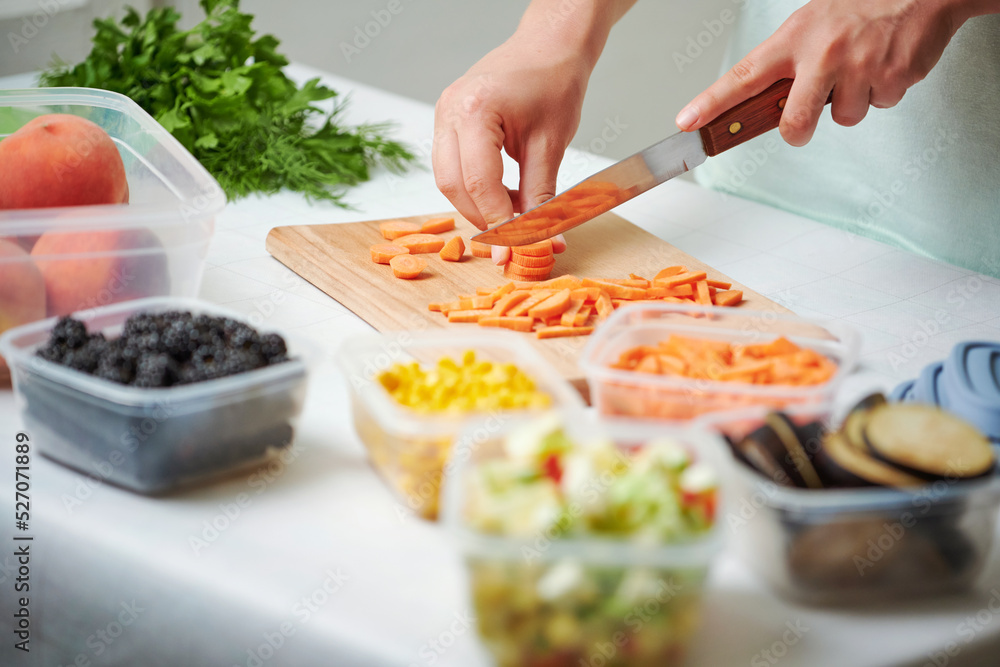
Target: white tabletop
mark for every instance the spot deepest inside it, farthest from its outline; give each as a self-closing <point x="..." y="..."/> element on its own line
<point x="316" y="559"/>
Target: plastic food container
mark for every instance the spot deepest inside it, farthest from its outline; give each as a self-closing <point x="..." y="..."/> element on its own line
<point x="616" y="392"/>
<point x="865" y="545"/>
<point x="154" y="246"/>
<point x="857" y="545"/>
<point x="628" y="603"/>
<point x="152" y="440"/>
<point x="410" y="449"/>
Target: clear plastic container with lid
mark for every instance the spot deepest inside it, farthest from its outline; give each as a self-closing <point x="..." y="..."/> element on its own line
<point x="564" y="598"/>
<point x="624" y="393"/>
<point x="410" y="448"/>
<point x="152" y="440"/>
<point x="97" y="255"/>
<point x="857" y="546"/>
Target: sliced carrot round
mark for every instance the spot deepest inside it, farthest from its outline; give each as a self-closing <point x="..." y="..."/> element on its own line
<point x="407" y="267"/>
<point x="540" y="249"/>
<point x="453" y="250"/>
<point x="437" y="225"/>
<point x="383" y="252"/>
<point x="515" y="272"/>
<point x="530" y="262"/>
<point x="480" y="249"/>
<point x="421" y="243"/>
<point x="393" y="229"/>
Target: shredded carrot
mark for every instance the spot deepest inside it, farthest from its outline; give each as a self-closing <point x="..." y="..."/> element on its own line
<point x="407" y="267"/>
<point x="383" y="252"/>
<point x="778" y="362"/>
<point x="437" y="226"/>
<point x="453" y="249"/>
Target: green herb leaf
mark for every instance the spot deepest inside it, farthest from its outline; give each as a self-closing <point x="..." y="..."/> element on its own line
<point x="221" y="92"/>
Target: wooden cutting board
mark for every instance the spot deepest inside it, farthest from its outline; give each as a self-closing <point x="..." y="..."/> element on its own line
<point x="336" y="259"/>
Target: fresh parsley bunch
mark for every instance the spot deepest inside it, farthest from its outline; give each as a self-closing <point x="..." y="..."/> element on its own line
<point x="222" y="93"/>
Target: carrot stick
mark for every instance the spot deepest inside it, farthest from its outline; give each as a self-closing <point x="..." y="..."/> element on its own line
<point x="383" y="252"/>
<point x="437" y="226"/>
<point x="680" y="279"/>
<point x="702" y="295"/>
<point x="719" y="284"/>
<point x="729" y="297"/>
<point x="508" y="301"/>
<point x="670" y="271"/>
<point x="466" y="315"/>
<point x="561" y="331"/>
<point x="562" y="282"/>
<point x="582" y="317"/>
<point x="524" y="324"/>
<point x="536" y="298"/>
<point x="603" y="305"/>
<point x="569" y="315"/>
<point x="407" y="267"/>
<point x="552" y="306"/>
<point x="453" y="250"/>
<point x="483" y="302"/>
<point x="393" y="229"/>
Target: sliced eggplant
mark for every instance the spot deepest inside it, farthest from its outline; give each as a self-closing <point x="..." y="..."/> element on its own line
<point x="924" y="440"/>
<point x="796" y="456"/>
<point x="870" y="402"/>
<point x="763" y="449"/>
<point x="844" y="465"/>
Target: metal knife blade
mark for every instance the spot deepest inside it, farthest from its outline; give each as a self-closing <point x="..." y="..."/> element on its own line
<point x="644" y="170"/>
<point x="601" y="192"/>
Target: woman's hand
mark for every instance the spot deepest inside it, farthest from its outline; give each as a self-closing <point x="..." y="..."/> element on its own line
<point x="525" y="97"/>
<point x="867" y="52"/>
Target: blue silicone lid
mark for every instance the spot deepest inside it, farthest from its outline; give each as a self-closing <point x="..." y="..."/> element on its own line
<point x="970" y="384"/>
<point x="925" y="389"/>
<point x="901" y="391"/>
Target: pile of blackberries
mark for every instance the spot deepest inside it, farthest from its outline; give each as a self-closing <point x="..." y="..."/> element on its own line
<point x="164" y="349"/>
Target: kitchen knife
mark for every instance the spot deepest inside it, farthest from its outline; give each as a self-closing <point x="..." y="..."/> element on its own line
<point x="642" y="171"/>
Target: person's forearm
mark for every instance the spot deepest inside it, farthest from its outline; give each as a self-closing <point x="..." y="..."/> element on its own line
<point x="575" y="26"/>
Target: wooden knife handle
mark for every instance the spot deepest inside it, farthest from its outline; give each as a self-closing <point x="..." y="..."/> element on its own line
<point x="747" y="120"/>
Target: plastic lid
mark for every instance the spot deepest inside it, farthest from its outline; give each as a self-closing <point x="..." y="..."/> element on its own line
<point x="901" y="391"/>
<point x="970" y="384"/>
<point x="925" y="389"/>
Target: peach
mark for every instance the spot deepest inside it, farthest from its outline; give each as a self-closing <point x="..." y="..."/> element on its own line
<point x="60" y="160"/>
<point x="22" y="291"/>
<point x="94" y="268"/>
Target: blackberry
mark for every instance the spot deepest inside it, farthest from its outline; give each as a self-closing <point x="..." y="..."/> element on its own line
<point x="155" y="370"/>
<point x="164" y="349"/>
<point x="69" y="333"/>
<point x="115" y="365"/>
<point x="272" y="347"/>
<point x="86" y="357"/>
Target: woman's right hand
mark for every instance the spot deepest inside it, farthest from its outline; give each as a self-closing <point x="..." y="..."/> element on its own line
<point x="524" y="96"/>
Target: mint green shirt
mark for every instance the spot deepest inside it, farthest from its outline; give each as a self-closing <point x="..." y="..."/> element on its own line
<point x="924" y="175"/>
